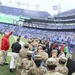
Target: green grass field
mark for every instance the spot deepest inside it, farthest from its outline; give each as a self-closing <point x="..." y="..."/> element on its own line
<point x="4" y="70"/>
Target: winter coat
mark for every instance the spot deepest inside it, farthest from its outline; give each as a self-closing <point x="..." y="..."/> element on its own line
<point x="5" y="44"/>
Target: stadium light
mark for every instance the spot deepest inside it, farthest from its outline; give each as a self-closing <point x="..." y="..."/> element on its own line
<point x="37" y="5"/>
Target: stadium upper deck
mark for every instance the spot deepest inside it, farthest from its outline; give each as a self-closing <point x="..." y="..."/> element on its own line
<point x="27" y="13"/>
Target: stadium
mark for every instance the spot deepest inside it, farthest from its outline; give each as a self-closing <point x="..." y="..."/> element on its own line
<point x="41" y="25"/>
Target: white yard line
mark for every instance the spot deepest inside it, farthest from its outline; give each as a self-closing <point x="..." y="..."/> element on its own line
<point x="21" y="42"/>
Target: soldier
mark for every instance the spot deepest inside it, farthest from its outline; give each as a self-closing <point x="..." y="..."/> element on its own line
<point x="26" y="63"/>
<point x="23" y="51"/>
<point x="43" y="54"/>
<point x="38" y="69"/>
<point x="61" y="67"/>
<point x="51" y="64"/>
<point x="54" y="55"/>
<point x="30" y="46"/>
<point x="35" y="45"/>
<point x="22" y="54"/>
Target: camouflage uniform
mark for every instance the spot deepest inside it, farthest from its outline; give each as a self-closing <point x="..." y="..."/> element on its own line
<point x="30" y="46"/>
<point x="51" y="62"/>
<point x="23" y="51"/>
<point x="19" y="68"/>
<point x="61" y="67"/>
<point x="54" y="55"/>
<point x="26" y="64"/>
<point x="22" y="54"/>
<point x="44" y="55"/>
<point x="53" y="72"/>
<point x="37" y="70"/>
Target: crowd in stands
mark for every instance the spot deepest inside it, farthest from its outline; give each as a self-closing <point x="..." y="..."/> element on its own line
<point x="24" y="12"/>
<point x="67" y="13"/>
<point x="30" y="32"/>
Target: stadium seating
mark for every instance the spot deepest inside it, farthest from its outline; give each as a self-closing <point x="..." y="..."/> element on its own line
<point x="67" y="13"/>
<point x="24" y="12"/>
<point x="20" y="30"/>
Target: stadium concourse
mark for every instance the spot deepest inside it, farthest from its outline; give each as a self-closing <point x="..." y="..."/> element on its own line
<point x="46" y="41"/>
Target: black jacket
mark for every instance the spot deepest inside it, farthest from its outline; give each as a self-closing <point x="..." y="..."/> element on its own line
<point x="16" y="47"/>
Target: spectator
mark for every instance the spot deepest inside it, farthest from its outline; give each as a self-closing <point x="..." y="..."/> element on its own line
<point x="66" y="49"/>
<point x="62" y="47"/>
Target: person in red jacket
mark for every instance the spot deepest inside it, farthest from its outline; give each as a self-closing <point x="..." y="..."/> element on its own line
<point x="62" y="47"/>
<point x="5" y="44"/>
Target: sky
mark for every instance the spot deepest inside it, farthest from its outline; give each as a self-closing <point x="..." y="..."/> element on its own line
<point x="43" y="5"/>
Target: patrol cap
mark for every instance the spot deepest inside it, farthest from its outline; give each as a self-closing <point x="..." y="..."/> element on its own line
<point x="54" y="51"/>
<point x="29" y="41"/>
<point x="39" y="44"/>
<point x="51" y="61"/>
<point x="29" y="53"/>
<point x="26" y="45"/>
<point x="40" y="47"/>
<point x="37" y="57"/>
<point x="63" y="59"/>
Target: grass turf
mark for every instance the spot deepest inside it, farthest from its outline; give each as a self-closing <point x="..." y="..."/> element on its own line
<point x="4" y="70"/>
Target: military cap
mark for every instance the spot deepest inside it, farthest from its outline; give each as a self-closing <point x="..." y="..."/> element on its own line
<point x="51" y="61"/>
<point x="37" y="57"/>
<point x="40" y="47"/>
<point x="26" y="45"/>
<point x="54" y="51"/>
<point x="63" y="59"/>
<point x="39" y="44"/>
<point x="29" y="53"/>
<point x="29" y="41"/>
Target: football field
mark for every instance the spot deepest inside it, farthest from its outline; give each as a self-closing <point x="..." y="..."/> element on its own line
<point x="4" y="70"/>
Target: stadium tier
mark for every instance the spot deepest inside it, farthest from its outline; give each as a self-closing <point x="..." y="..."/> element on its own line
<point x="24" y="12"/>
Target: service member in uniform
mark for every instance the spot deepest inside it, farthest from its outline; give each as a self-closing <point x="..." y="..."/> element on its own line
<point x="61" y="67"/>
<point x="30" y="46"/>
<point x="51" y="64"/>
<point x="54" y="55"/>
<point x="27" y="63"/>
<point x="38" y="69"/>
<point x="23" y="51"/>
<point x="43" y="54"/>
<point x="22" y="55"/>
